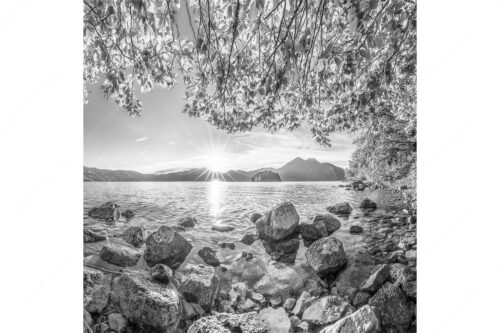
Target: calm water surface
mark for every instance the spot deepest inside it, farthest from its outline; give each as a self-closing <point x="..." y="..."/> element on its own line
<point x="163" y="203"/>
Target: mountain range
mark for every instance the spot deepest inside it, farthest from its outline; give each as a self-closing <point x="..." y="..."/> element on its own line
<point x="296" y="170"/>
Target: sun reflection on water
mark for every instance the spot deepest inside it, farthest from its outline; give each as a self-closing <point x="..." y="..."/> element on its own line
<point x="214" y="197"/>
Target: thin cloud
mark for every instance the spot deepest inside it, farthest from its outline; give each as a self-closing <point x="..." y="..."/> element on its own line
<point x="144" y="138"/>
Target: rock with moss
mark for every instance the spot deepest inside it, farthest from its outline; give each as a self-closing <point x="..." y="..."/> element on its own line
<point x="167" y="247"/>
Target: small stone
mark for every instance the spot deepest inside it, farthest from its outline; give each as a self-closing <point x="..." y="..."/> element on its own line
<point x="376" y="279"/>
<point x="135" y="236"/>
<point x="90" y="236"/>
<point x="326" y="310"/>
<point x="119" y="255"/>
<point x="275" y="300"/>
<point x="255" y="217"/>
<point x="356" y="230"/>
<point x="300" y="303"/>
<point x="368" y="205"/>
<point x="248" y="239"/>
<point x="247" y="306"/>
<point x="224" y="245"/>
<point x="209" y="256"/>
<point x="128" y="214"/>
<point x="411" y="255"/>
<point x="200" y="286"/>
<point x="187" y="222"/>
<point x="222" y="228"/>
<point x="304" y="326"/>
<point x="109" y="212"/>
<point x="117" y="322"/>
<point x="276" y="320"/>
<point x="344" y="208"/>
<point x="161" y="273"/>
<point x="361" y="298"/>
<point x="257" y="297"/>
<point x="289" y="304"/>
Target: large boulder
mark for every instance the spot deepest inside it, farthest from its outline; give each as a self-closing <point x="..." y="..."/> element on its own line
<point x="209" y="256"/>
<point x="135" y="236"/>
<point x="167" y="247"/>
<point x="149" y="305"/>
<point x="321" y="225"/>
<point x="249" y="322"/>
<point x="119" y="255"/>
<point x="404" y="277"/>
<point x="326" y="255"/>
<point x="109" y="212"/>
<point x="278" y="223"/>
<point x="344" y="208"/>
<point x="362" y="321"/>
<point x="96" y="290"/>
<point x="377" y="279"/>
<point x="200" y="286"/>
<point x="368" y="205"/>
<point x="326" y="310"/>
<point x="276" y="320"/>
<point x="90" y="236"/>
<point x="394" y="310"/>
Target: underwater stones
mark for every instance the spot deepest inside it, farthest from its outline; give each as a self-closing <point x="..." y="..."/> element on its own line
<point x="326" y="310"/>
<point x="326" y="255"/>
<point x="362" y="321"/>
<point x="135" y="236"/>
<point x="276" y="320"/>
<point x="96" y="290"/>
<point x="392" y="307"/>
<point x="209" y="256"/>
<point x="284" y="250"/>
<point x="278" y="223"/>
<point x="356" y="230"/>
<point x="109" y="212"/>
<point x="167" y="247"/>
<point x="222" y="228"/>
<point x="248" y="239"/>
<point x="344" y="208"/>
<point x="252" y="272"/>
<point x="227" y="245"/>
<point x="161" y="273"/>
<point x="187" y="222"/>
<point x="281" y="280"/>
<point x="200" y="286"/>
<point x="90" y="236"/>
<point x="255" y="217"/>
<point x="368" y="205"/>
<point x="147" y="304"/>
<point x="128" y="214"/>
<point x="321" y="225"/>
<point x="119" y="255"/>
<point x="249" y="322"/>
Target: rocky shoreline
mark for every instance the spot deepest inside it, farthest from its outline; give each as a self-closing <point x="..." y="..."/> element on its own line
<point x="371" y="291"/>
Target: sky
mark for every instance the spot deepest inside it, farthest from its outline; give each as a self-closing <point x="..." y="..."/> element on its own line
<point x="164" y="138"/>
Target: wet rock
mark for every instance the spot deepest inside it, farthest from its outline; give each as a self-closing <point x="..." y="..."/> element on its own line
<point x="361" y="298"/>
<point x="356" y="230"/>
<point x="289" y="304"/>
<point x="187" y="222"/>
<point x="326" y="310"/>
<point x="326" y="255"/>
<point x="256" y="297"/>
<point x="404" y="277"/>
<point x="392" y="307"/>
<point x="248" y="239"/>
<point x="275" y="300"/>
<point x="149" y="305"/>
<point x="344" y="208"/>
<point x="117" y="322"/>
<point x="252" y="272"/>
<point x="368" y="205"/>
<point x="161" y="273"/>
<point x="209" y="256"/>
<point x="362" y="321"/>
<point x="321" y="225"/>
<point x="255" y="217"/>
<point x="167" y="247"/>
<point x="227" y="245"/>
<point x="200" y="286"/>
<point x="96" y="290"/>
<point x="278" y="223"/>
<point x="284" y="250"/>
<point x="90" y="236"/>
<point x="377" y="279"/>
<point x="280" y="279"/>
<point x="222" y="228"/>
<point x="276" y="320"/>
<point x="301" y="302"/>
<point x="249" y="322"/>
<point x="109" y="212"/>
<point x="135" y="236"/>
<point x="303" y="327"/>
<point x="247" y="255"/>
<point x="119" y="255"/>
<point x="128" y="214"/>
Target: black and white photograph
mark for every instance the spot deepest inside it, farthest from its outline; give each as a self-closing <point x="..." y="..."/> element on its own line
<point x="249" y="166"/>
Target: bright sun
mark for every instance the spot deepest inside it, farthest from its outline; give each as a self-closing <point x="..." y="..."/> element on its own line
<point x="216" y="162"/>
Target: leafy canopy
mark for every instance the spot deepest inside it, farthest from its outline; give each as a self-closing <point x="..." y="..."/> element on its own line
<point x="331" y="64"/>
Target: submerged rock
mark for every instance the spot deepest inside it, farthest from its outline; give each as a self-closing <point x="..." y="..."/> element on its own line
<point x="280" y="279"/>
<point x="248" y="239"/>
<point x="229" y="245"/>
<point x="109" y="211"/>
<point x="151" y="306"/>
<point x="128" y="214"/>
<point x="326" y="255"/>
<point x="326" y="310"/>
<point x="209" y="256"/>
<point x="166" y="246"/>
<point x="321" y="225"/>
<point x="222" y="228"/>
<point x="96" y="290"/>
<point x="344" y="208"/>
<point x="284" y="250"/>
<point x="135" y="236"/>
<point x="368" y="205"/>
<point x="249" y="322"/>
<point x="362" y="321"/>
<point x="187" y="222"/>
<point x="90" y="236"/>
<point x="255" y="217"/>
<point x="356" y="230"/>
<point x="278" y="223"/>
<point x="161" y="273"/>
<point x="119" y="255"/>
<point x="392" y="307"/>
<point x="200" y="286"/>
<point x="276" y="320"/>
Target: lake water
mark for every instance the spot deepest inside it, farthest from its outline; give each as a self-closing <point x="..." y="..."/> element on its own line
<point x="163" y="203"/>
